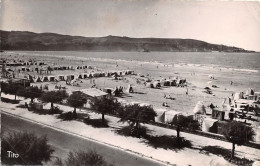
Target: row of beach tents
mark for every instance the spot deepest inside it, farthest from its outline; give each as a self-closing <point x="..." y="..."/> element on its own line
<point x="75" y="77"/>
<point x="166" y="82"/>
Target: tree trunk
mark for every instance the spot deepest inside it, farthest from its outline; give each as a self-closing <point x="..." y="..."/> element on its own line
<point x="15" y="97"/>
<point x="74" y="112"/>
<point x="233" y="150"/>
<point x="178" y="132"/>
<point x="103" y="118"/>
<point x="51" y="106"/>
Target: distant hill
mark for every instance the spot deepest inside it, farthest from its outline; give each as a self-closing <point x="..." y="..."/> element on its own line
<point x="20" y="40"/>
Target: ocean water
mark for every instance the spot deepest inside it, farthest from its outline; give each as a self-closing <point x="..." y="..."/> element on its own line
<point x="236" y="61"/>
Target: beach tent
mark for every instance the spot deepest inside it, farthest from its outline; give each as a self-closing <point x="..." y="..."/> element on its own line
<point x="208" y="124"/>
<point x="80" y="76"/>
<point x="238" y="95"/>
<point x="129" y="72"/>
<point x="156" y="84"/>
<point x="129" y="89"/>
<point x="149" y="85"/>
<point x="44" y="79"/>
<point x="37" y="79"/>
<point x="160" y="114"/>
<point x="199" y="108"/>
<point x="60" y="77"/>
<point x="85" y="75"/>
<point x="119" y="73"/>
<point x="30" y="78"/>
<point x="249" y="91"/>
<point x="90" y="75"/>
<point x="51" y="78"/>
<point x="166" y="83"/>
<point x="173" y="83"/>
<point x="169" y="115"/>
<point x="211" y="76"/>
<point x="70" y="77"/>
<point x="107" y="74"/>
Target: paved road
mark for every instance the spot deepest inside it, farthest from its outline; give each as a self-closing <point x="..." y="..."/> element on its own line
<point x="63" y="142"/>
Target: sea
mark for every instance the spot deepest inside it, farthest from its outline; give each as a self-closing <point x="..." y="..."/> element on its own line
<point x="236" y="61"/>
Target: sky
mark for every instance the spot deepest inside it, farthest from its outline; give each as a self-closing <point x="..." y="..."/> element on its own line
<point x="232" y="23"/>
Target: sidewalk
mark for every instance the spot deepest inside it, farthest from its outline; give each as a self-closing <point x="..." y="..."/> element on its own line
<point x="108" y="136"/>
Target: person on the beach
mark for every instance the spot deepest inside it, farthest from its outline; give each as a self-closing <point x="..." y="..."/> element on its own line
<point x="231" y="82"/>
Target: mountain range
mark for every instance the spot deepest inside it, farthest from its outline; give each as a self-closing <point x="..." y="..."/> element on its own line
<point x="23" y="40"/>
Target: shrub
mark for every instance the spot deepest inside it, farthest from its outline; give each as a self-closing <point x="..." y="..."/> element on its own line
<point x="90" y="158"/>
<point x="32" y="150"/>
<point x="66" y="116"/>
<point x="133" y="131"/>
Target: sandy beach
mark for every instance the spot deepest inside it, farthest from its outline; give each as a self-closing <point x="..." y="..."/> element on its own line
<point x="197" y="77"/>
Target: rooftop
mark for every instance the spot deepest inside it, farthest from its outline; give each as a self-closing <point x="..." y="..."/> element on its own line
<point x="93" y="92"/>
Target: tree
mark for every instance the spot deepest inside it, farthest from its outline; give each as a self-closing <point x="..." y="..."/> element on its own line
<point x="181" y="121"/>
<point x="76" y="100"/>
<point x="90" y="158"/>
<point x="32" y="150"/>
<point x="105" y="105"/>
<point x="30" y="92"/>
<point x="54" y="97"/>
<point x="136" y="114"/>
<point x="237" y="133"/>
<point x="10" y="88"/>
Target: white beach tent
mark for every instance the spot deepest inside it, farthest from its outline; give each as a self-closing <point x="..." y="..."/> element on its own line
<point x="249" y="91"/>
<point x="156" y="84"/>
<point x="211" y="76"/>
<point x="160" y="114"/>
<point x="51" y="78"/>
<point x="238" y="95"/>
<point x="207" y="124"/>
<point x="149" y="84"/>
<point x="129" y="89"/>
<point x="169" y="115"/>
<point x="199" y="108"/>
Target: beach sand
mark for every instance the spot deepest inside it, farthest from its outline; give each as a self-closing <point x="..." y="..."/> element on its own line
<point x="197" y="77"/>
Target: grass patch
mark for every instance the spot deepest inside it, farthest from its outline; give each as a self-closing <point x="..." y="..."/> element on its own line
<point x="168" y="142"/>
<point x="97" y="123"/>
<point x="11" y="101"/>
<point x="226" y="153"/>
